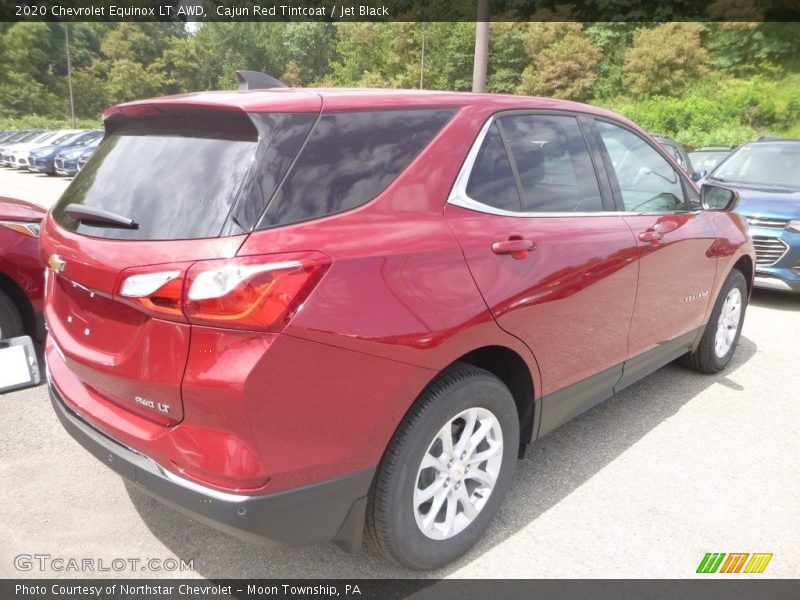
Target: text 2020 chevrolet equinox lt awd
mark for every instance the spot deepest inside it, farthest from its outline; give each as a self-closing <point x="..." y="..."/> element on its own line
<point x="297" y="315"/>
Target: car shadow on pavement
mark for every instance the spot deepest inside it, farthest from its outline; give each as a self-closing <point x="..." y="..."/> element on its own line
<point x="553" y="468"/>
<point x="784" y="301"/>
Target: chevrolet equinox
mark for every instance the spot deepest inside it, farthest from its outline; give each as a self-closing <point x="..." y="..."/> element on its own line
<point x="305" y="315"/>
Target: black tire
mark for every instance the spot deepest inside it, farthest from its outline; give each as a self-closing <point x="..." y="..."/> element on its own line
<point x="11" y="324"/>
<point x="391" y="523"/>
<point x="704" y="359"/>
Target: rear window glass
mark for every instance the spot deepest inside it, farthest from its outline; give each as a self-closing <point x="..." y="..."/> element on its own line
<point x="349" y="158"/>
<point x="176" y="175"/>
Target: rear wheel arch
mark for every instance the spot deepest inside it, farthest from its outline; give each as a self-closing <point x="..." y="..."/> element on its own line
<point x="10" y="288"/>
<point x="510" y="368"/>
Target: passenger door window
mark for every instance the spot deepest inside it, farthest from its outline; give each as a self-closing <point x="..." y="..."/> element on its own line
<point x="647" y="181"/>
<point x="535" y="163"/>
<point x="555" y="171"/>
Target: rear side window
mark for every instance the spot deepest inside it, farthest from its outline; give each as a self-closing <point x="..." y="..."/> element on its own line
<point x="185" y="174"/>
<point x="491" y="181"/>
<point x="350" y="158"/>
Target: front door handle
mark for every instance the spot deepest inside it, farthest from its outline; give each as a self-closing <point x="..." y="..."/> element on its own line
<point x="651" y="235"/>
<point x="515" y="246"/>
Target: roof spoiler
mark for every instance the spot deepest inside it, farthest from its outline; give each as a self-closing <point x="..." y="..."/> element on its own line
<point x="253" y="80"/>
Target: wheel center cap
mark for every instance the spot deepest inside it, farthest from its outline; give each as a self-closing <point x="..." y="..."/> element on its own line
<point x="457" y="471"/>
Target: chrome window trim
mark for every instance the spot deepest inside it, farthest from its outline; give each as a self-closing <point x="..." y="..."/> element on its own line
<point x="458" y="194"/>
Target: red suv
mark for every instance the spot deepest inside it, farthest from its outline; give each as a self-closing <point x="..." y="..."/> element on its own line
<point x="21" y="273"/>
<point x="297" y="314"/>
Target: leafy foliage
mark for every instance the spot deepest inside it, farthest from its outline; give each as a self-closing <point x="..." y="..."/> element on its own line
<point x="665" y="60"/>
<point x="723" y="82"/>
<point x="563" y="60"/>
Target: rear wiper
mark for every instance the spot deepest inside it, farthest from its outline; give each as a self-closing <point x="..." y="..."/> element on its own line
<point x="88" y="214"/>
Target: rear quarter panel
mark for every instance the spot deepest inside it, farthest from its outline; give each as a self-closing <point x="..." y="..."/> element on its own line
<point x="19" y="262"/>
<point x="399" y="286"/>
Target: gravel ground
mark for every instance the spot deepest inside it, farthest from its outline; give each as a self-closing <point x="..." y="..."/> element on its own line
<point x="641" y="486"/>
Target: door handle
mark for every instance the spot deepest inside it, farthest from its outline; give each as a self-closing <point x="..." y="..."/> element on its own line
<point x="651" y="235"/>
<point x="515" y="246"/>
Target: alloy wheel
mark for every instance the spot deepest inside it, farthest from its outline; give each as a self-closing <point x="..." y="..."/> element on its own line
<point x="458" y="473"/>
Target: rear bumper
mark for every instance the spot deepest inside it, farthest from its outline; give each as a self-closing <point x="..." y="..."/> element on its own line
<point x="331" y="510"/>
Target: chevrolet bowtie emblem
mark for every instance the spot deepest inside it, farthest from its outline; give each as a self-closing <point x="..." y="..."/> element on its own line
<point x="56" y="263"/>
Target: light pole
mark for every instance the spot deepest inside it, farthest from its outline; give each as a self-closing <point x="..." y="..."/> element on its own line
<point x="422" y="59"/>
<point x="481" y="47"/>
<point x="69" y="77"/>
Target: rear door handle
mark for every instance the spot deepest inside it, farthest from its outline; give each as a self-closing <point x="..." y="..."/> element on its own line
<point x="515" y="246"/>
<point x="651" y="235"/>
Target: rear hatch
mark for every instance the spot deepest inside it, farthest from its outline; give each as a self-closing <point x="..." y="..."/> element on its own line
<point x="169" y="186"/>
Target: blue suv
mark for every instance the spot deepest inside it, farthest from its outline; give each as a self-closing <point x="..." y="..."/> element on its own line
<point x="766" y="173"/>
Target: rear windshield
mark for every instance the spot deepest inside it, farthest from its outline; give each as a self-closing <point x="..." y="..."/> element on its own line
<point x="176" y="176"/>
<point x="200" y="174"/>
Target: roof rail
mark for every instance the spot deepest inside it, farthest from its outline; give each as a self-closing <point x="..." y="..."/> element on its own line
<point x="253" y="80"/>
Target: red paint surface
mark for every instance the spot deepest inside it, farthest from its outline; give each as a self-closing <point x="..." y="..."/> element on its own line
<point x="413" y="285"/>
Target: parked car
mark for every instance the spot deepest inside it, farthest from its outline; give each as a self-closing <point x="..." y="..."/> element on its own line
<point x="21" y="272"/>
<point x="42" y="160"/>
<point x="293" y="316"/>
<point x="16" y="156"/>
<point x="9" y="154"/>
<point x="66" y="162"/>
<point x="766" y="175"/>
<point x="4" y="135"/>
<point x="707" y="158"/>
<point x="15" y="136"/>
<point x="84" y="158"/>
<point x="18" y="138"/>
<point x="676" y="150"/>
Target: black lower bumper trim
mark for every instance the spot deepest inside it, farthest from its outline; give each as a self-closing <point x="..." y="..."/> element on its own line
<point x="331" y="510"/>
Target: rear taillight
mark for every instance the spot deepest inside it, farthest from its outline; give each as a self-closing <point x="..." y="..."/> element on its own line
<point x="159" y="293"/>
<point x="156" y="290"/>
<point x="250" y="292"/>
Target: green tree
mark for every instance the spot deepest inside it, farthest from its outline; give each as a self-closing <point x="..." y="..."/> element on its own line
<point x="507" y="57"/>
<point x="747" y="49"/>
<point x="311" y="47"/>
<point x="614" y="39"/>
<point x="563" y="60"/>
<point x="129" y="80"/>
<point x="665" y="60"/>
<point x="360" y="48"/>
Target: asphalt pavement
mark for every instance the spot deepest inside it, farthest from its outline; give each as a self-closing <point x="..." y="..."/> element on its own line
<point x="641" y="486"/>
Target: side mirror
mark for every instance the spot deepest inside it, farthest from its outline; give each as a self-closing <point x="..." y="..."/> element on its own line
<point x="714" y="197"/>
<point x="698" y="175"/>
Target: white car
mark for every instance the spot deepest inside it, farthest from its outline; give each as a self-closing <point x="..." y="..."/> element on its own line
<point x="16" y="155"/>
